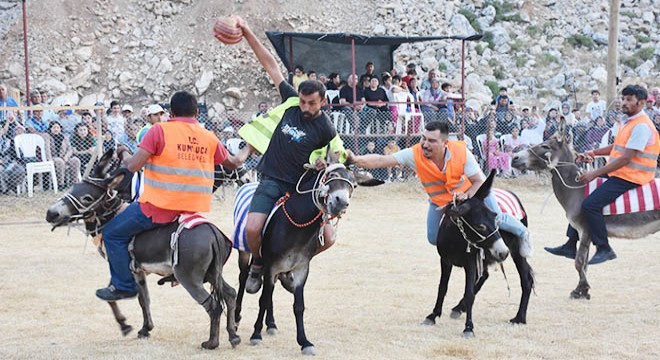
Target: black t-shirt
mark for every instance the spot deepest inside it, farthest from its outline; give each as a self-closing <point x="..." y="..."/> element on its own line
<point x="347" y="93"/>
<point x="293" y="141"/>
<point x="375" y="95"/>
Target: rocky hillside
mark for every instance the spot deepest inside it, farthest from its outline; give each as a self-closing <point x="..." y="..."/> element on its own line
<point x="142" y="50"/>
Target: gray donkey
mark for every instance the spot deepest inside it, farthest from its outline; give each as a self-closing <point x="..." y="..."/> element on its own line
<point x="557" y="155"/>
<point x="198" y="258"/>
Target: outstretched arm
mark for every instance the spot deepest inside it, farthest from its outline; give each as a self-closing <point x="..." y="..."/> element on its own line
<point x="263" y="55"/>
<point x="372" y="161"/>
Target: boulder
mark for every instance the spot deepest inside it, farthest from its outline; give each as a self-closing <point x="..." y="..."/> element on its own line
<point x="599" y="74"/>
<point x="83" y="53"/>
<point x="204" y="82"/>
<point x="460" y="25"/>
<point x="53" y="85"/>
<point x="233" y="92"/>
<point x="600" y="38"/>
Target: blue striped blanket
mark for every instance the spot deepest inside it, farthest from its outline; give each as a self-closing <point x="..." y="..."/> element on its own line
<point x="241" y="207"/>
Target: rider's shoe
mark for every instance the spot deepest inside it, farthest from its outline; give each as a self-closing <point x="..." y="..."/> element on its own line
<point x="602" y="254"/>
<point x="254" y="280"/>
<point x="564" y="250"/>
<point x="111" y="293"/>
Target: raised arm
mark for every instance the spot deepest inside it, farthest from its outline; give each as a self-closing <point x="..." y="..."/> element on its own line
<point x="372" y="161"/>
<point x="263" y="55"/>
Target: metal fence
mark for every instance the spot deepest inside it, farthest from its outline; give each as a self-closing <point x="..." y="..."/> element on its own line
<point x="28" y="164"/>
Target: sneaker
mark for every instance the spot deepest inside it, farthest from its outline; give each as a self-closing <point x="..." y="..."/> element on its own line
<point x="113" y="294"/>
<point x="602" y="255"/>
<point x="254" y="281"/>
<point x="564" y="250"/>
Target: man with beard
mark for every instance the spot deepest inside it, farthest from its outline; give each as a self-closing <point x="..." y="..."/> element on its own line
<point x="301" y="129"/>
<point x="632" y="163"/>
<point x="446" y="169"/>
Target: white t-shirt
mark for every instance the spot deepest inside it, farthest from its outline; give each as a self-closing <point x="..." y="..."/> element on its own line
<point x="596" y="109"/>
<point x="406" y="157"/>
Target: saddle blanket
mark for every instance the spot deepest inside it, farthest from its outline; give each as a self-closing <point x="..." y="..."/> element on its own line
<point x="641" y="198"/>
<point x="508" y="203"/>
<point x="187" y="221"/>
<point x="241" y="206"/>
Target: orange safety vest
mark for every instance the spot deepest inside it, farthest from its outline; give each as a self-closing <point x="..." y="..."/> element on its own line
<point x="641" y="168"/>
<point x="439" y="185"/>
<point x="181" y="177"/>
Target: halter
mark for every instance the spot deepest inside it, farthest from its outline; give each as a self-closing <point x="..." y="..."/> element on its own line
<point x="109" y="203"/>
<point x="553" y="167"/>
<point x="459" y="221"/>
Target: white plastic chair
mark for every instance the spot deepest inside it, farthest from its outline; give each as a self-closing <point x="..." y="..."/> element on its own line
<point x="480" y="144"/>
<point x="403" y="98"/>
<point x="26" y="147"/>
<point x="234" y="145"/>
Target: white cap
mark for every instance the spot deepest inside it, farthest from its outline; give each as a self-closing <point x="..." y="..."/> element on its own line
<point x="154" y="109"/>
<point x="127" y="108"/>
<point x="228" y="129"/>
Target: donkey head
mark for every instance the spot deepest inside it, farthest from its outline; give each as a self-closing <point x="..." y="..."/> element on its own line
<point x="477" y="223"/>
<point x="557" y="149"/>
<point x="335" y="187"/>
<point x="92" y="197"/>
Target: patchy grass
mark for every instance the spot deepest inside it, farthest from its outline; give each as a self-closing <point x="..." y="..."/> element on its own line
<point x="520" y="61"/>
<point x="631" y="62"/>
<point x="493" y="86"/>
<point x="505" y="11"/>
<point x="548" y="59"/>
<point x="488" y="37"/>
<point x="628" y="13"/>
<point x="471" y="17"/>
<point x="442" y="67"/>
<point x="493" y="62"/>
<point x="516" y="45"/>
<point x="533" y="31"/>
<point x="645" y="54"/>
<point x="479" y="49"/>
<point x="499" y="73"/>
<point x="579" y="40"/>
<point x="643" y="39"/>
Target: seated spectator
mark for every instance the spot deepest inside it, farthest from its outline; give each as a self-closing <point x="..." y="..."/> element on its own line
<point x="370" y="148"/>
<point x="368" y="71"/>
<point x="596" y="132"/>
<point x="393" y="173"/>
<point x="129" y="138"/>
<point x="411" y="73"/>
<point x="323" y="78"/>
<point x="498" y="160"/>
<point x="127" y="111"/>
<point x="234" y="119"/>
<point x="434" y="94"/>
<point x="88" y="120"/>
<point x="67" y="121"/>
<point x="426" y="84"/>
<point x="376" y="100"/>
<point x="36" y="123"/>
<point x="298" y="76"/>
<point x="263" y="110"/>
<point x="83" y="144"/>
<point x="12" y="171"/>
<point x="333" y="81"/>
<point x="311" y="75"/>
<point x="67" y="166"/>
<point x="507" y="123"/>
<point x="109" y="141"/>
<point x="567" y="113"/>
<point x="580" y="143"/>
<point x="513" y="144"/>
<point x="533" y="133"/>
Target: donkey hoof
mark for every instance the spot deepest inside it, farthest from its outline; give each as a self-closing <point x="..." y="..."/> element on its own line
<point x="468" y="334"/>
<point x="143" y="334"/>
<point x="455" y="314"/>
<point x="210" y="344"/>
<point x="428" y="322"/>
<point x="271" y="331"/>
<point x="234" y="341"/>
<point x="309" y="350"/>
<point x="255" y="342"/>
<point x="517" y="320"/>
<point x="125" y="330"/>
<point x="580" y="294"/>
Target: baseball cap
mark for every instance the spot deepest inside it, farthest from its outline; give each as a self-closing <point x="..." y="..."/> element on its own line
<point x="127" y="108"/>
<point x="154" y="109"/>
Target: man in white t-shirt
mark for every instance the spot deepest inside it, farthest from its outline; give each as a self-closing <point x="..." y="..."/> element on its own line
<point x="596" y="107"/>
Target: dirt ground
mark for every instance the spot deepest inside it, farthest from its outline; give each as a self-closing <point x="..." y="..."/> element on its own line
<point x="365" y="298"/>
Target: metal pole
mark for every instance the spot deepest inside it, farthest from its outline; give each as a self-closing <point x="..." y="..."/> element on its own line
<point x="25" y="49"/>
<point x="289" y="75"/>
<point x="355" y="117"/>
<point x="462" y="131"/>
<point x="612" y="51"/>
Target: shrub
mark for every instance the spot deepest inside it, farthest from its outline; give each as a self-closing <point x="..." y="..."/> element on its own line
<point x="645" y="53"/>
<point x="494" y="87"/>
<point x="499" y="73"/>
<point x="442" y="67"/>
<point x="628" y="13"/>
<point x="631" y="62"/>
<point x="549" y="58"/>
<point x="533" y="31"/>
<point x="579" y="40"/>
<point x="472" y="18"/>
<point x="643" y="39"/>
<point x="493" y="62"/>
<point x="505" y="11"/>
<point x="516" y="45"/>
<point x="488" y="37"/>
<point x="520" y="61"/>
<point x="480" y="49"/>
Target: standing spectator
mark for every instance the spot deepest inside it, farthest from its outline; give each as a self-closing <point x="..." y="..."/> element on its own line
<point x="155" y="114"/>
<point x="504" y="92"/>
<point x="83" y="144"/>
<point x="368" y="70"/>
<point x="263" y="110"/>
<point x="411" y="73"/>
<point x="234" y="119"/>
<point x="377" y="100"/>
<point x="391" y="89"/>
<point x="648" y="107"/>
<point x="596" y="107"/>
<point x="596" y="132"/>
<point x="434" y="95"/>
<point x="48" y="115"/>
<point x="567" y="113"/>
<point x="67" y="166"/>
<point x="298" y="76"/>
<point x="116" y="121"/>
<point x="498" y="160"/>
<point x="127" y="111"/>
<point x="5" y="100"/>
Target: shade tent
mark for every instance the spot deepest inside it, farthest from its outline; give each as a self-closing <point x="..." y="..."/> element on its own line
<point x="333" y="52"/>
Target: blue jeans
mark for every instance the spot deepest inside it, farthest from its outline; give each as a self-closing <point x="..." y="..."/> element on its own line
<point x="117" y="234"/>
<point x="592" y="207"/>
<point x="506" y="222"/>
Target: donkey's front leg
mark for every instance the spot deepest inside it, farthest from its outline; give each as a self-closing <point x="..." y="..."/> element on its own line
<point x="265" y="301"/>
<point x="445" y="273"/>
<point x="145" y="303"/>
<point x="581" y="259"/>
<point x="244" y="270"/>
<point x="468" y="297"/>
<point x="298" y="309"/>
<point x="120" y="318"/>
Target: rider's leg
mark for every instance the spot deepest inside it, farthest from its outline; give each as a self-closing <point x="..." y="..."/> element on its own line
<point x="117" y="234"/>
<point x="592" y="208"/>
<point x="569" y="249"/>
<point x="262" y="203"/>
<point x="512" y="225"/>
<point x="433" y="218"/>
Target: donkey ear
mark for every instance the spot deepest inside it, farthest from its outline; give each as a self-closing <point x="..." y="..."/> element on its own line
<point x="331" y="157"/>
<point x="116" y="181"/>
<point x="458" y="211"/>
<point x="103" y="166"/>
<point x="561" y="130"/>
<point x="484" y="189"/>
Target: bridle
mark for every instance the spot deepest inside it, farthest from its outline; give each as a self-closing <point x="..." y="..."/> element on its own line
<point x="553" y="167"/>
<point x="99" y="210"/>
<point x="459" y="221"/>
<point x="320" y="189"/>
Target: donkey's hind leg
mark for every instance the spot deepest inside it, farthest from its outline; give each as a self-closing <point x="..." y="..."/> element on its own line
<point x="121" y="319"/>
<point x="229" y="297"/>
<point x="457" y="310"/>
<point x="582" y="289"/>
<point x="145" y="303"/>
<point x="244" y="268"/>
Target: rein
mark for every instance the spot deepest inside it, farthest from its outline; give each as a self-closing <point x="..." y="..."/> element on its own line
<point x="108" y="202"/>
<point x="283" y="200"/>
<point x="553" y="167"/>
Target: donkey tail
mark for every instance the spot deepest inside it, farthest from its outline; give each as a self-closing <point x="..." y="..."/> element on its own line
<point x="221" y="290"/>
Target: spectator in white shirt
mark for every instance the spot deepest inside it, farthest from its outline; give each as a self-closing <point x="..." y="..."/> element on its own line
<point x="596" y="107"/>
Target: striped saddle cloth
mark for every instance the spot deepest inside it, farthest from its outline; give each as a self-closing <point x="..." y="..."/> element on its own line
<point x="241" y="206"/>
<point x="508" y="203"/>
<point x="641" y="198"/>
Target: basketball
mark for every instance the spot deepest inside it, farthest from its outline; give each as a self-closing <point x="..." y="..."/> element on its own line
<point x="227" y="30"/>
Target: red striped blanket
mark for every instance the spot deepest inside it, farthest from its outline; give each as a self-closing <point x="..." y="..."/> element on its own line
<point x="641" y="198"/>
<point x="508" y="203"/>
